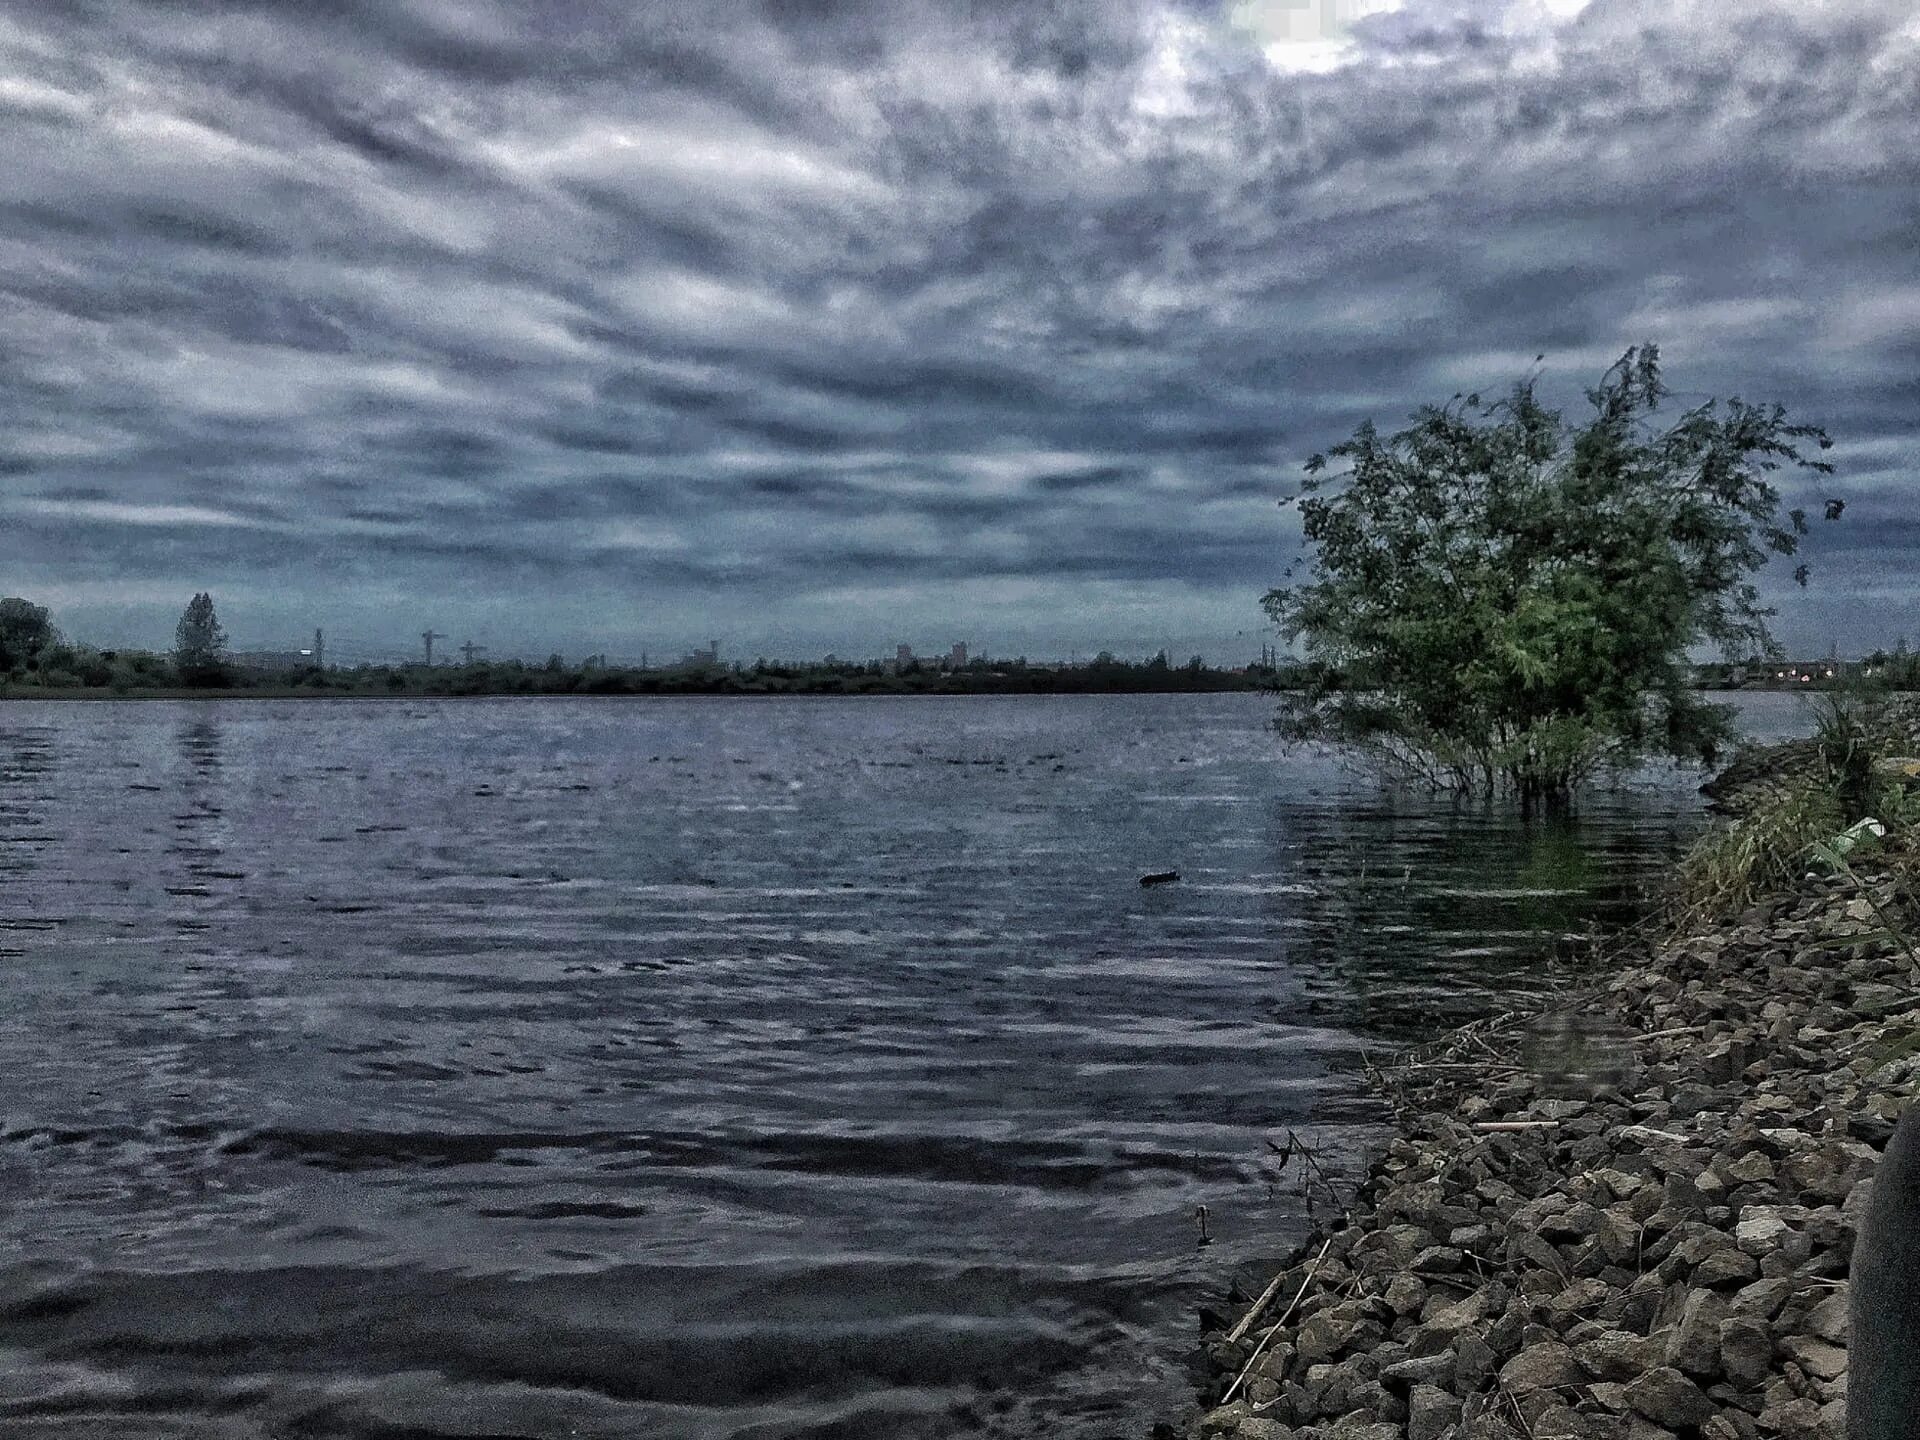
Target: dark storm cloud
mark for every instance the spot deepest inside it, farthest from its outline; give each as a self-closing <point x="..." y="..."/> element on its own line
<point x="830" y="324"/>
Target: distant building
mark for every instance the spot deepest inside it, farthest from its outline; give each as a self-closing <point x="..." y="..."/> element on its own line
<point x="709" y="656"/>
<point x="903" y="656"/>
<point x="1812" y="672"/>
<point x="957" y="657"/>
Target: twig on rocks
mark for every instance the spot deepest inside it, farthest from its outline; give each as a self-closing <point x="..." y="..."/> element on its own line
<point x="1503" y="1125"/>
<point x="1519" y="1415"/>
<point x="1274" y="1329"/>
<point x="1647" y="1135"/>
<point x="1246" y="1320"/>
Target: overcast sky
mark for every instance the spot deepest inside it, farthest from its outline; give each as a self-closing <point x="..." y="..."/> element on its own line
<point x="809" y="326"/>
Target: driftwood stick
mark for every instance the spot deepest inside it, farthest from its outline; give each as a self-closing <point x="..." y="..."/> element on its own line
<point x="1647" y="1135"/>
<point x="1246" y="1320"/>
<point x="1274" y="1329"/>
<point x="1498" y="1125"/>
<point x="1476" y="1066"/>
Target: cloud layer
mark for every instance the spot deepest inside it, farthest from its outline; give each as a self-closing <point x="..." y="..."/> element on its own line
<point x="611" y="326"/>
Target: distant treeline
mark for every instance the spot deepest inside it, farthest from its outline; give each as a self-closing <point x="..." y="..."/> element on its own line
<point x="63" y="669"/>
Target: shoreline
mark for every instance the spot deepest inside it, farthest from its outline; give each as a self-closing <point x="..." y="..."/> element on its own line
<point x="273" y="694"/>
<point x="1662" y="1251"/>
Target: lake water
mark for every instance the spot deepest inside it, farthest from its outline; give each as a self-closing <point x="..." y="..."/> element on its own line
<point x="701" y="1067"/>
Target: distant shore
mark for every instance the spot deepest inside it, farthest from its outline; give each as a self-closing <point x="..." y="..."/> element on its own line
<point x="291" y="693"/>
<point x="1033" y="680"/>
<point x="496" y="682"/>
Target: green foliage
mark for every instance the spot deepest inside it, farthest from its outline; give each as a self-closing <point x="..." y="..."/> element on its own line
<point x="137" y="672"/>
<point x="1846" y="807"/>
<point x="1854" y="728"/>
<point x="200" y="645"/>
<point x="25" y="630"/>
<point x="1500" y="599"/>
<point x="1895" y="669"/>
<point x="1765" y="850"/>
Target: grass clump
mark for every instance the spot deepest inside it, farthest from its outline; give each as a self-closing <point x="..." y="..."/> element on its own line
<point x="1765" y="850"/>
<point x="1849" y="803"/>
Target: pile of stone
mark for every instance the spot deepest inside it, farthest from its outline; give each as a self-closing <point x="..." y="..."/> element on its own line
<point x="1762" y="774"/>
<point x="1663" y="1256"/>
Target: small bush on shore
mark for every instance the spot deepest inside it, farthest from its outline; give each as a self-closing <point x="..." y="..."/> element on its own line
<point x="1500" y="599"/>
<point x="1796" y="823"/>
<point x="1764" y="850"/>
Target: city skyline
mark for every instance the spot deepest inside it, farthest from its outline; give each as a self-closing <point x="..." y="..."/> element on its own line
<point x="817" y="326"/>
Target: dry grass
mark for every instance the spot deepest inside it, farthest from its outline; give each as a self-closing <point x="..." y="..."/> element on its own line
<point x="1763" y="852"/>
<point x="1783" y="834"/>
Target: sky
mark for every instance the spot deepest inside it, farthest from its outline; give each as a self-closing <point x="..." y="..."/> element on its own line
<point x="811" y="325"/>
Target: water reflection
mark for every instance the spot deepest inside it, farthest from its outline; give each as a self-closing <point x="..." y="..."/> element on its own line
<point x="26" y="755"/>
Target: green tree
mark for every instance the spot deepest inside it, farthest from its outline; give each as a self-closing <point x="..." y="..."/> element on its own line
<point x="1499" y="599"/>
<point x="200" y="645"/>
<point x="25" y="630"/>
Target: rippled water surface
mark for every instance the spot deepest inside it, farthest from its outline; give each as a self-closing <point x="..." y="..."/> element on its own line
<point x="697" y="1068"/>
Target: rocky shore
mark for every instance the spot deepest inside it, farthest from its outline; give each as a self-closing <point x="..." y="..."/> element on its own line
<point x="1662" y="1252"/>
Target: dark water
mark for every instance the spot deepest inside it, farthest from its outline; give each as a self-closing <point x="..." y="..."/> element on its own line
<point x="697" y="1068"/>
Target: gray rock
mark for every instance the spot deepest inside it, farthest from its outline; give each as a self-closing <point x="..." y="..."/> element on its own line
<point x="1746" y="1350"/>
<point x="1693" y="1345"/>
<point x="1224" y="1420"/>
<point x="1542" y="1366"/>
<point x="1762" y="1298"/>
<point x="1430" y="1370"/>
<point x="1816" y="1357"/>
<point x="1458" y="1317"/>
<point x="1728" y="1266"/>
<point x="1795" y="1420"/>
<point x="1828" y="1319"/>
<point x="1559" y="1422"/>
<point x="1621" y="1355"/>
<point x="1359" y="1425"/>
<point x="1668" y="1398"/>
<point x="1406" y="1294"/>
<point x="1761" y="1231"/>
<point x="1431" y="1413"/>
<point x="1326" y="1334"/>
